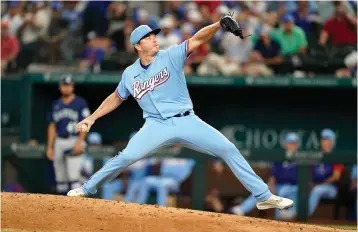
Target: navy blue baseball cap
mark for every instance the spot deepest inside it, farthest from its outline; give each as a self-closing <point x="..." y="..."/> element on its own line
<point x="328" y="134"/>
<point x="140" y="32"/>
<point x="292" y="138"/>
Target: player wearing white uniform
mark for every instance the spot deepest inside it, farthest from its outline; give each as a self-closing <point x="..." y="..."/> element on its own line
<point x="65" y="146"/>
<point x="157" y="82"/>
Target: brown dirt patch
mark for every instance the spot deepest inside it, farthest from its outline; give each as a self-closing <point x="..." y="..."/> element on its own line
<point x="37" y="212"/>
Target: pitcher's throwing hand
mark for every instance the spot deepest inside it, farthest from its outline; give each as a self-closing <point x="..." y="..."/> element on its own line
<point x="85" y="125"/>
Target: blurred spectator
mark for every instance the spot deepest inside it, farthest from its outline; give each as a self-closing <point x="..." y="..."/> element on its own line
<point x="197" y="57"/>
<point x="341" y="29"/>
<point x="9" y="47"/>
<point x="219" y="12"/>
<point x="56" y="33"/>
<point x="266" y="57"/>
<point x="121" y="37"/>
<point x="70" y="14"/>
<point x="117" y="10"/>
<point x="167" y="37"/>
<point x="97" y="48"/>
<point x="326" y="9"/>
<point x="206" y="15"/>
<point x="211" y="5"/>
<point x="288" y="7"/>
<point x="195" y="18"/>
<point x="257" y="7"/>
<point x="325" y="176"/>
<point x="14" y="17"/>
<point x="276" y="9"/>
<point x="175" y="8"/>
<point x="173" y="172"/>
<point x="72" y="45"/>
<point x="247" y="17"/>
<point x="282" y="182"/>
<point x="292" y="38"/>
<point x="234" y="59"/>
<point x="141" y="16"/>
<point x="94" y="18"/>
<point x="117" y="14"/>
<point x="306" y="20"/>
<point x="34" y="27"/>
<point x="293" y="43"/>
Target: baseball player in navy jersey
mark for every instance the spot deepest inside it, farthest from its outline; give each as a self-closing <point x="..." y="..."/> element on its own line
<point x="65" y="145"/>
<point x="156" y="80"/>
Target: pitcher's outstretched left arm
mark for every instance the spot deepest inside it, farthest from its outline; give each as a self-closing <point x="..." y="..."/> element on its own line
<point x="202" y="36"/>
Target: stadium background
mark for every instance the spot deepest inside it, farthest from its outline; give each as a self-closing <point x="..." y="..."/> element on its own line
<point x="311" y="89"/>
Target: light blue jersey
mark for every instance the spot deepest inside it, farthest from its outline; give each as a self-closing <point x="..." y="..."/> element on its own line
<point x="160" y="90"/>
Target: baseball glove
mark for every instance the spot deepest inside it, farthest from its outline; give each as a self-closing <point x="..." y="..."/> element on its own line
<point x="229" y="24"/>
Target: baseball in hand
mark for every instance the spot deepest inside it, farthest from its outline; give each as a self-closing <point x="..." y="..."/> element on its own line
<point x="84" y="127"/>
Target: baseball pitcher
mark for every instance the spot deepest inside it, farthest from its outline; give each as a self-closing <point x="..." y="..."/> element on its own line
<point x="156" y="80"/>
<point x="65" y="146"/>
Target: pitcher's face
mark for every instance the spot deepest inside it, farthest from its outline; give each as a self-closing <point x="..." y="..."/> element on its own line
<point x="148" y="44"/>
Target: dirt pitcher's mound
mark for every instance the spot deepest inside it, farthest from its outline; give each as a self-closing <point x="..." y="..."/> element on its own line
<point x="36" y="212"/>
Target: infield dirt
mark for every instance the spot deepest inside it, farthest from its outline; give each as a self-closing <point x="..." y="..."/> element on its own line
<point x="38" y="212"/>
